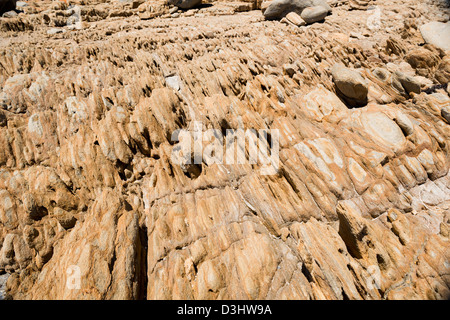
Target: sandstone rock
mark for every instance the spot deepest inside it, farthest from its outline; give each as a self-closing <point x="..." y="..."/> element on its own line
<point x="314" y="14"/>
<point x="422" y="58"/>
<point x="21" y="4"/>
<point x="360" y="4"/>
<point x="437" y="33"/>
<point x="55" y="31"/>
<point x="410" y="84"/>
<point x="443" y="70"/>
<point x="67" y="221"/>
<point x="350" y="83"/>
<point x="280" y="8"/>
<point x="395" y="46"/>
<point x="295" y="19"/>
<point x="446" y="114"/>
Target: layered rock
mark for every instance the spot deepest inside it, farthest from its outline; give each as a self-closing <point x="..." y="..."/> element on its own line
<point x="94" y="204"/>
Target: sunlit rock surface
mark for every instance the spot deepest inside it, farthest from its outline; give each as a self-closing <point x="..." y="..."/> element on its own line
<point x="93" y="205"/>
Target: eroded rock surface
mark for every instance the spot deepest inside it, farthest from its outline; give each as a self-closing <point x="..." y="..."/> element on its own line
<point x="93" y="204"/>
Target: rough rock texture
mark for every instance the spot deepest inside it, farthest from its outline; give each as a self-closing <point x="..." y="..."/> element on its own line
<point x="314" y="14"/>
<point x="350" y="83"/>
<point x="295" y="19"/>
<point x="437" y="33"/>
<point x="280" y="8"/>
<point x="94" y="206"/>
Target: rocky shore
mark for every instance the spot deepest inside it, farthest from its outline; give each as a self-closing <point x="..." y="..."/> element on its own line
<point x="94" y="204"/>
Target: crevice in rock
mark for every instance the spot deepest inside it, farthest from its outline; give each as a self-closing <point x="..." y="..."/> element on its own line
<point x="142" y="265"/>
<point x="306" y="273"/>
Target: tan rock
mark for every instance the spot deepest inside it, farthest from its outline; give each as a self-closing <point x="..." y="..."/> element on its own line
<point x="295" y="19"/>
<point x="349" y="203"/>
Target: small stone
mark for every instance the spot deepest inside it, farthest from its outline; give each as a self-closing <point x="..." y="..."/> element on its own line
<point x="174" y="82"/>
<point x="410" y="84"/>
<point x="356" y="35"/>
<point x="350" y="83"/>
<point x="3" y="120"/>
<point x="444" y="229"/>
<point x="128" y="174"/>
<point x="285" y="21"/>
<point x="53" y="31"/>
<point x="422" y="58"/>
<point x="445" y="113"/>
<point x="295" y="19"/>
<point x="21" y="4"/>
<point x="146" y="15"/>
<point x="443" y="71"/>
<point x="136" y="3"/>
<point x="314" y="14"/>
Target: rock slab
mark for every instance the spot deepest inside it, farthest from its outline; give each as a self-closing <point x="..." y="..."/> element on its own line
<point x="437" y="33"/>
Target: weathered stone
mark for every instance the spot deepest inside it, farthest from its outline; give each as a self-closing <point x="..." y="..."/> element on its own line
<point x="280" y="8"/>
<point x="410" y="84"/>
<point x="295" y="19"/>
<point x="437" y="33"/>
<point x="445" y="112"/>
<point x="422" y="58"/>
<point x="443" y="70"/>
<point x="350" y="83"/>
<point x="314" y="14"/>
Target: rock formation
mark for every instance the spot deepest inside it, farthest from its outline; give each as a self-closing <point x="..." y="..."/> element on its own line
<point x="95" y="99"/>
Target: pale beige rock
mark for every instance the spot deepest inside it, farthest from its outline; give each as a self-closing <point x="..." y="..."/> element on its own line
<point x="350" y="83"/>
<point x="295" y="19"/>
